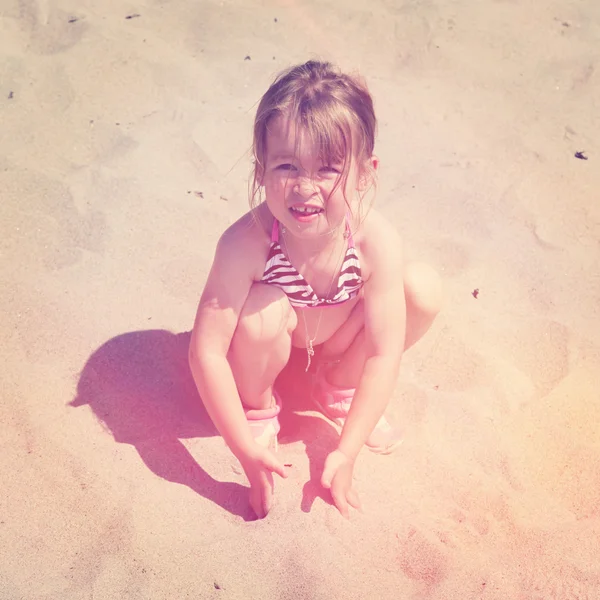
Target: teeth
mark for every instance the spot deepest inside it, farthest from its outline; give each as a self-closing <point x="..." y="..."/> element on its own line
<point x="306" y="209"/>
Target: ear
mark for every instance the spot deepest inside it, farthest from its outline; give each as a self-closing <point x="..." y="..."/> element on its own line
<point x="366" y="177"/>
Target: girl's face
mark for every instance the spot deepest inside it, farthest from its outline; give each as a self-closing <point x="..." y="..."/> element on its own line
<point x="307" y="195"/>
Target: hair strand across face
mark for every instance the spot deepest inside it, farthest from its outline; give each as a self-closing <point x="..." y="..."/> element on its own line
<point x="335" y="111"/>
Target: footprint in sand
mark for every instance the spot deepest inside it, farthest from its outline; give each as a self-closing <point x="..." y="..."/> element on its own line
<point x="47" y="230"/>
<point x="475" y="514"/>
<point x="452" y="256"/>
<point x="558" y="583"/>
<point x="451" y="355"/>
<point x="51" y="30"/>
<point x="421" y="560"/>
<point x="556" y="442"/>
<point x="539" y="348"/>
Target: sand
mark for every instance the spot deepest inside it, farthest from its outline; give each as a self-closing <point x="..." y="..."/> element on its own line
<point x="123" y="156"/>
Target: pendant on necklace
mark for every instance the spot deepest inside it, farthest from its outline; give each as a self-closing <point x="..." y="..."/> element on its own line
<point x="310" y="352"/>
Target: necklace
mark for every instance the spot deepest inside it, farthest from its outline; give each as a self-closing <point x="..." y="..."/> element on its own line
<point x="310" y="351"/>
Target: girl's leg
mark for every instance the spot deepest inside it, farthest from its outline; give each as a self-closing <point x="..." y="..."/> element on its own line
<point x="424" y="297"/>
<point x="261" y="344"/>
<point x="259" y="350"/>
<point x="423" y="292"/>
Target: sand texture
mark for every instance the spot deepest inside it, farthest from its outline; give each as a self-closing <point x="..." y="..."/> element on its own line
<point x="123" y="156"/>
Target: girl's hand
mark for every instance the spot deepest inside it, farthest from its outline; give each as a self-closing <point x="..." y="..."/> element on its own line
<point x="259" y="468"/>
<point x="337" y="476"/>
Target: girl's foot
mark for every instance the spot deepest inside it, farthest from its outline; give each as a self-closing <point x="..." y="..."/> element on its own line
<point x="335" y="403"/>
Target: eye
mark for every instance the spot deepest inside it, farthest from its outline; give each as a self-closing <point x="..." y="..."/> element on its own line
<point x="330" y="169"/>
<point x="285" y="167"/>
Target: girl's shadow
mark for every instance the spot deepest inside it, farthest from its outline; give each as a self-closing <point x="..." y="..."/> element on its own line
<point x="140" y="388"/>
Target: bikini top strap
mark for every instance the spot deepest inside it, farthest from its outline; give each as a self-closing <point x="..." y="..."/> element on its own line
<point x="275" y="231"/>
<point x="348" y="232"/>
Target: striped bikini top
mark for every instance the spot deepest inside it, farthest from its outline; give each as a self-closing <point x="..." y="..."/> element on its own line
<point x="280" y="272"/>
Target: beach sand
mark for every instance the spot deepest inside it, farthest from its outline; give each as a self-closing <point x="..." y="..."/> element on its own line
<point x="124" y="132"/>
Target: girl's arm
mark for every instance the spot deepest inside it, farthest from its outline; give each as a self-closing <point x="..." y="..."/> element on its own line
<point x="385" y="325"/>
<point x="217" y="317"/>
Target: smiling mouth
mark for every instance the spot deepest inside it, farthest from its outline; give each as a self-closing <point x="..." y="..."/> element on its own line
<point x="306" y="210"/>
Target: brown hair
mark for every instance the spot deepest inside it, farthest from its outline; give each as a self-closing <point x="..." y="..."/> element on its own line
<point x="335" y="109"/>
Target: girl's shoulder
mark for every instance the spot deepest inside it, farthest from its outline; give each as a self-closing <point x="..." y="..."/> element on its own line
<point x="249" y="238"/>
<point x="252" y="227"/>
<point x="378" y="242"/>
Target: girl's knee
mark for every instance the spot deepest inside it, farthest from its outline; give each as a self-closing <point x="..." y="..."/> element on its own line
<point x="423" y="287"/>
<point x="261" y="344"/>
<point x="266" y="315"/>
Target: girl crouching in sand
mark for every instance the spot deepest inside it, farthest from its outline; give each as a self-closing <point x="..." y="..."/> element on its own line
<point x="306" y="267"/>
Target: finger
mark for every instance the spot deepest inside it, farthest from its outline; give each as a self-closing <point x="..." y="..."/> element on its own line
<point x="256" y="503"/>
<point x="353" y="499"/>
<point x="267" y="494"/>
<point x="327" y="477"/>
<point x="339" y="500"/>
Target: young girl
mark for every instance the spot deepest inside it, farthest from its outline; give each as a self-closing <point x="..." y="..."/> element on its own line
<point x="309" y="267"/>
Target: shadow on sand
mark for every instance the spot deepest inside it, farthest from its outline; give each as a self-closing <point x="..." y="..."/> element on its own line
<point x="140" y="388"/>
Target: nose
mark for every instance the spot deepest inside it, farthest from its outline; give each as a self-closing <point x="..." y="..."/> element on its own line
<point x="304" y="187"/>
